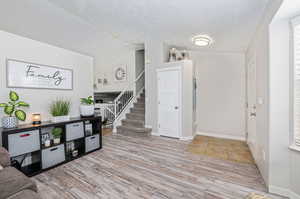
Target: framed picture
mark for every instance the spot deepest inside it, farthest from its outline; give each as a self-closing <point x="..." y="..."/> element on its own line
<point x="22" y="74"/>
<point x="120" y="73"/>
<point x="45" y="136"/>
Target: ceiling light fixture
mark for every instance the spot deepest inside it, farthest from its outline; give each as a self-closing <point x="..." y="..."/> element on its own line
<point x="202" y="40"/>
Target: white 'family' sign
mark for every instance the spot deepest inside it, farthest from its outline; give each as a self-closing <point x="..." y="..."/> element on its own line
<point x="29" y="75"/>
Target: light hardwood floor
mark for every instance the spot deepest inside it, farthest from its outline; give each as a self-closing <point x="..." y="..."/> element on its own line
<point x="149" y="167"/>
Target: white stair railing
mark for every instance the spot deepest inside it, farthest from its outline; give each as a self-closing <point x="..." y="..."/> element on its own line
<point x="106" y="110"/>
<point x="128" y="94"/>
<point x="111" y="112"/>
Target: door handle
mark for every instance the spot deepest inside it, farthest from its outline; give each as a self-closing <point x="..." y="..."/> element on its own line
<point x="25" y="135"/>
<point x="54" y="149"/>
<point x="253" y="114"/>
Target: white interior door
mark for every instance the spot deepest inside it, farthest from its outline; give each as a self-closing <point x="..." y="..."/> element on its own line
<point x="169" y="103"/>
<point x="251" y="110"/>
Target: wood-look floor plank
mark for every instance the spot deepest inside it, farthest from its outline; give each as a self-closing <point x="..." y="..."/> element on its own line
<point x="149" y="167"/>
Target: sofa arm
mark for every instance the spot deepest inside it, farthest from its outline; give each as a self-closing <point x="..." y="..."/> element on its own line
<point x="4" y="157"/>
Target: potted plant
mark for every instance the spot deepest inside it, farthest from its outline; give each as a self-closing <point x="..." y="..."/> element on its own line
<point x="60" y="110"/>
<point x="87" y="107"/>
<point x="13" y="111"/>
<point x="56" y="133"/>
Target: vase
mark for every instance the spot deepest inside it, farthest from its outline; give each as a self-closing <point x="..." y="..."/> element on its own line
<point x="172" y="55"/>
<point x="9" y="122"/>
<point x="56" y="140"/>
<point x="87" y="110"/>
<point x="185" y="55"/>
<point x="47" y="143"/>
<point x="63" y="118"/>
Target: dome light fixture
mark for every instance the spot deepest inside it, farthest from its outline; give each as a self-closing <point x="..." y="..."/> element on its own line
<point x="202" y="40"/>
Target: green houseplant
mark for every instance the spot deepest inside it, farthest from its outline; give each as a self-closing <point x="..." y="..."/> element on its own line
<point x="60" y="110"/>
<point x="87" y="107"/>
<point x="56" y="133"/>
<point x="13" y="111"/>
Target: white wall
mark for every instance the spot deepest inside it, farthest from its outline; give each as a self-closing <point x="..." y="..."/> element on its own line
<point x="281" y="110"/>
<point x="153" y="60"/>
<point x="105" y="62"/>
<point x="294" y="173"/>
<point x="220" y="93"/>
<point x="279" y="38"/>
<point x="20" y="48"/>
<point x="259" y="50"/>
<point x="271" y="45"/>
<point x="220" y="109"/>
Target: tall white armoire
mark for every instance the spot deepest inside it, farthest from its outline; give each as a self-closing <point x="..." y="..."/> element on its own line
<point x="176" y="100"/>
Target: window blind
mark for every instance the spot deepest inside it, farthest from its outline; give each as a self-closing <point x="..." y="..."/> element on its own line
<point x="297" y="83"/>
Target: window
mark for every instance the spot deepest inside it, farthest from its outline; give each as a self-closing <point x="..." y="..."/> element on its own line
<point x="296" y="84"/>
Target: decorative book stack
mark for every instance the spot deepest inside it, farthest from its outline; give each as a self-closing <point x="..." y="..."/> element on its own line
<point x="297" y="141"/>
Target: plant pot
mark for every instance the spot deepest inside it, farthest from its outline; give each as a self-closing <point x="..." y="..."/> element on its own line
<point x="9" y="122"/>
<point x="87" y="110"/>
<point x="57" y="119"/>
<point x="56" y="140"/>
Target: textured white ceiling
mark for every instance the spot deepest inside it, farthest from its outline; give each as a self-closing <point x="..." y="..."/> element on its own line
<point x="288" y="9"/>
<point x="84" y="25"/>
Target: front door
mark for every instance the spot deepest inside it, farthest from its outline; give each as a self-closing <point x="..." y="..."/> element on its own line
<point x="168" y="103"/>
<point x="251" y="110"/>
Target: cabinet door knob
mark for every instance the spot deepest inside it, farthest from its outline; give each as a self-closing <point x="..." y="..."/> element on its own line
<point x="176" y="107"/>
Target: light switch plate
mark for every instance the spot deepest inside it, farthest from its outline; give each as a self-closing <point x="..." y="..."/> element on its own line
<point x="260" y="101"/>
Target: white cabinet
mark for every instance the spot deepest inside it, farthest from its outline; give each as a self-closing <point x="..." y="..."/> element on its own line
<point x="175" y="99"/>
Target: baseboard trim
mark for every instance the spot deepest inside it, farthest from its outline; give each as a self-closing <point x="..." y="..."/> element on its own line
<point x="218" y="135"/>
<point x="283" y="192"/>
<point x="279" y="191"/>
<point x="155" y="133"/>
<point x="186" y="138"/>
<point x="181" y="138"/>
<point x="293" y="195"/>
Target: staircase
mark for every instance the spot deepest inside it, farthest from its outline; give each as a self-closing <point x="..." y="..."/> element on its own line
<point x="134" y="123"/>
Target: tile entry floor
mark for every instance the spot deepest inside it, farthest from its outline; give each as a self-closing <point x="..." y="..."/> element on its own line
<point x="225" y="149"/>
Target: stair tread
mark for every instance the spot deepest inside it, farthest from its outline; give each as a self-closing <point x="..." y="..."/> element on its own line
<point x="136" y="114"/>
<point x="140" y="103"/>
<point x="138" y="109"/>
<point x="133" y="120"/>
<point x="135" y="129"/>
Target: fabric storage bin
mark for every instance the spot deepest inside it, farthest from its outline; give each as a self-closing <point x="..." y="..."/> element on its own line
<point x="53" y="156"/>
<point x="92" y="143"/>
<point x="74" y="131"/>
<point x="24" y="142"/>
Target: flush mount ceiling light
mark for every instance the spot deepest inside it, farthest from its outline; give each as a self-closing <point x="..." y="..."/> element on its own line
<point x="202" y="40"/>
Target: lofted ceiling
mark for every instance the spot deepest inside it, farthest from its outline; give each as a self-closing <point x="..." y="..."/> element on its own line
<point x="87" y="25"/>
